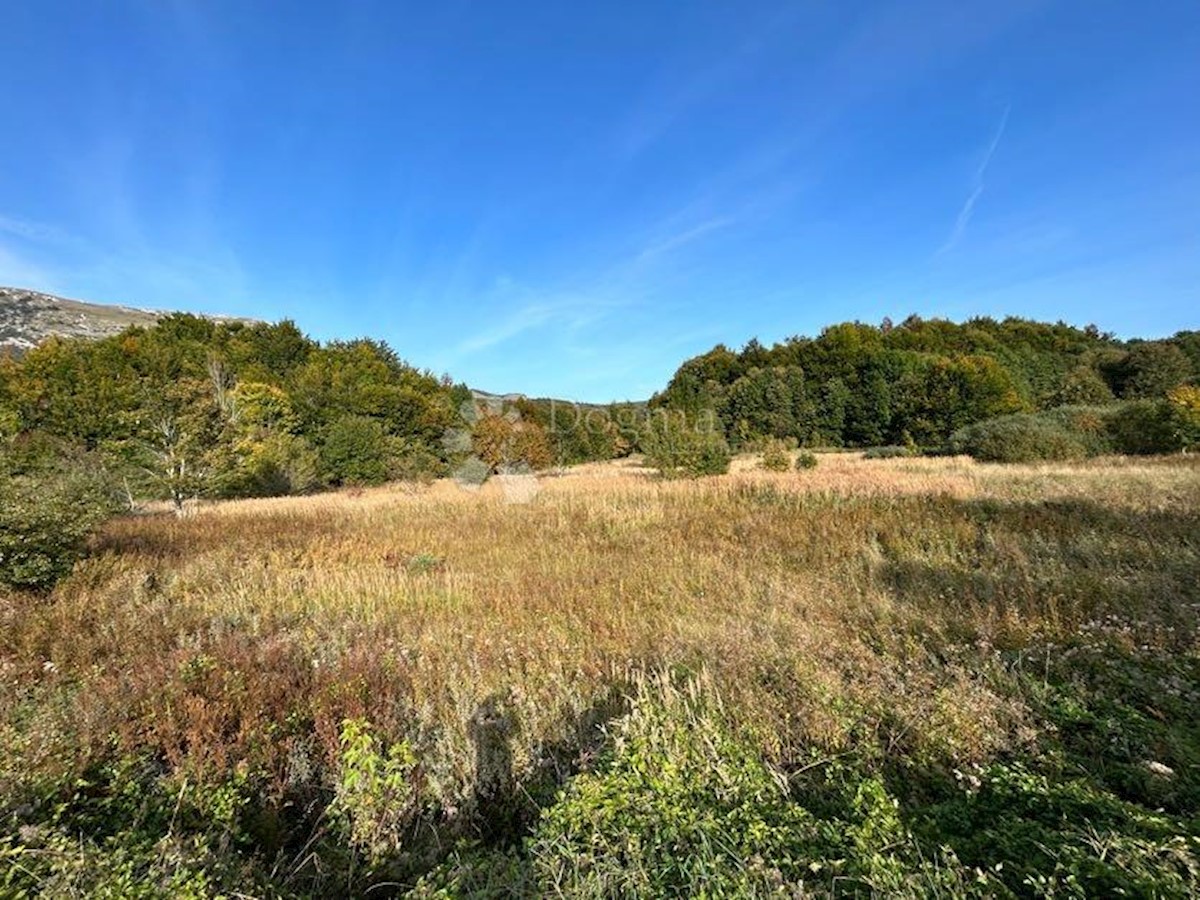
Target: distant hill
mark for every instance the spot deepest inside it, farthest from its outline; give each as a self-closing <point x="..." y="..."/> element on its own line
<point x="29" y="317"/>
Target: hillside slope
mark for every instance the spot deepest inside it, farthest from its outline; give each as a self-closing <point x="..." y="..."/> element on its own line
<point x="29" y="317"/>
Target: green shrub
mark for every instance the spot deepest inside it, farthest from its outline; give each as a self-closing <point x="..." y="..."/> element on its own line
<point x="806" y="459"/>
<point x="414" y="461"/>
<point x="775" y="457"/>
<point x="356" y="450"/>
<point x="1020" y="438"/>
<point x="375" y="796"/>
<point x="274" y="465"/>
<point x="893" y="451"/>
<point x="1089" y="425"/>
<point x="683" y="805"/>
<point x="1072" y="432"/>
<point x="47" y="513"/>
<point x="127" y="830"/>
<point x="1185" y="414"/>
<point x="678" y="446"/>
<point x="1144" y="427"/>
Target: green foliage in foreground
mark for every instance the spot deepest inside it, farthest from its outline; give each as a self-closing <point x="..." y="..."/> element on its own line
<point x="47" y="513"/>
<point x="681" y="803"/>
<point x="681" y="806"/>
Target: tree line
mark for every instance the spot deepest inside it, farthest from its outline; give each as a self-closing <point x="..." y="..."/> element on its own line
<point x="193" y="407"/>
<point x="919" y="382"/>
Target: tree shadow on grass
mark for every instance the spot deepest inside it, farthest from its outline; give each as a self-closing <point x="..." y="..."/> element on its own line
<point x="1106" y="600"/>
<point x="1060" y="565"/>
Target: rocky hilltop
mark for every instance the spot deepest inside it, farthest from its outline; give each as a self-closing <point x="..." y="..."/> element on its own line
<point x="29" y="317"/>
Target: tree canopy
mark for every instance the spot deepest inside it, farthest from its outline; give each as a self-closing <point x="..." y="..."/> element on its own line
<point x="921" y="380"/>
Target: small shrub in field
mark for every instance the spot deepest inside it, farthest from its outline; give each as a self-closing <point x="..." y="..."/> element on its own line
<point x="775" y="457"/>
<point x="375" y="795"/>
<point x="806" y="459"/>
<point x="677" y="446"/>
<point x="894" y="451"/>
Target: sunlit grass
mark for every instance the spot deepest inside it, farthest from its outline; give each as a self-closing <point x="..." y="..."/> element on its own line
<point x="883" y="603"/>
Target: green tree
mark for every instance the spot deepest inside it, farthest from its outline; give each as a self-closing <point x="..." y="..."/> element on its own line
<point x="1082" y="386"/>
<point x="506" y="443"/>
<point x="681" y="446"/>
<point x="176" y="443"/>
<point x="1185" y="411"/>
<point x="1151" y="369"/>
<point x="355" y="450"/>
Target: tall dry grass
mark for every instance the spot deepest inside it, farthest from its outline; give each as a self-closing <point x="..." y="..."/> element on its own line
<point x="863" y="598"/>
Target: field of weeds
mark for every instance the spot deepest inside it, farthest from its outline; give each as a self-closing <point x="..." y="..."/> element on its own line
<point x="904" y="676"/>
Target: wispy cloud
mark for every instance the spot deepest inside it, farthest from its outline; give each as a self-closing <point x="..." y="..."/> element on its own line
<point x="683" y="238"/>
<point x="566" y="313"/>
<point x="513" y="325"/>
<point x="687" y="84"/>
<point x="37" y="232"/>
<point x="977" y="186"/>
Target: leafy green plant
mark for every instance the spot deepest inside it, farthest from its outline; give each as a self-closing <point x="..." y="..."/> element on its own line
<point x="679" y="446"/>
<point x="1144" y="426"/>
<point x="1185" y="412"/>
<point x="806" y="459"/>
<point x="375" y="795"/>
<point x="46" y="517"/>
<point x="683" y="805"/>
<point x="356" y="450"/>
<point x="1019" y="438"/>
<point x="775" y="457"/>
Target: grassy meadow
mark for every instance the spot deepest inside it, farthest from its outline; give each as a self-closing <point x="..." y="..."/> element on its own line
<point x="893" y="677"/>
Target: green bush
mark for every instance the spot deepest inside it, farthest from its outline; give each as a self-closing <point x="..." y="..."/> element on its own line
<point x="275" y="465"/>
<point x="775" y="457"/>
<point x="356" y="450"/>
<point x="47" y="513"/>
<point x="414" y="461"/>
<point x="127" y="830"/>
<point x="806" y="459"/>
<point x="1019" y="438"/>
<point x="683" y="805"/>
<point x="1072" y="432"/>
<point x="1144" y="427"/>
<point x="678" y="446"/>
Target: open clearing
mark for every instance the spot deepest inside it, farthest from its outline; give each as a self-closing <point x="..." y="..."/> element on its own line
<point x="925" y="623"/>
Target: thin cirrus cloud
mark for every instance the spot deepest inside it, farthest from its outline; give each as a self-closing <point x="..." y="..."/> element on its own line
<point x="977" y="186"/>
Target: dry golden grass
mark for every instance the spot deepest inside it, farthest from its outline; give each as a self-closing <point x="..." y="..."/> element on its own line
<point x="860" y="598"/>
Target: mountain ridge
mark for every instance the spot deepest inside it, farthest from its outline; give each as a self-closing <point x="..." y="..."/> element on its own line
<point x="28" y="317"/>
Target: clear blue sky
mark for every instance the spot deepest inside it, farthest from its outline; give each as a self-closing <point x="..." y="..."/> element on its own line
<point x="570" y="198"/>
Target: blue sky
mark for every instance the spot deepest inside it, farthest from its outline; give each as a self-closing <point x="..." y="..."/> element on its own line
<point x="570" y="198"/>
